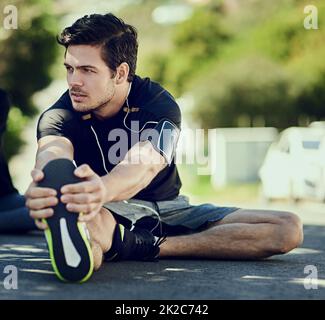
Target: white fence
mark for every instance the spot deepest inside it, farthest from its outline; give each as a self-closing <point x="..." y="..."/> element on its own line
<point x="239" y="154"/>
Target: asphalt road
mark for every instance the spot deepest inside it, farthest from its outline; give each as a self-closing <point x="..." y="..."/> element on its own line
<point x="279" y="277"/>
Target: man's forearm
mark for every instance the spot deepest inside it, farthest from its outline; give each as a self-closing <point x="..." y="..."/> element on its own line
<point x="45" y="156"/>
<point x="140" y="165"/>
<point x="125" y="181"/>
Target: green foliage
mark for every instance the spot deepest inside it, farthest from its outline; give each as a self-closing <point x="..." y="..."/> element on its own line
<point x="251" y="88"/>
<point x="199" y="188"/>
<point x="196" y="41"/>
<point x="15" y="125"/>
<point x="157" y="64"/>
<point x="27" y="55"/>
<point x="310" y="100"/>
<point x="201" y="36"/>
<point x="255" y="62"/>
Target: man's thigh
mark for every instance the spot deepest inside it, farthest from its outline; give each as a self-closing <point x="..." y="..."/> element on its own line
<point x="253" y="216"/>
<point x="194" y="218"/>
<point x="176" y="216"/>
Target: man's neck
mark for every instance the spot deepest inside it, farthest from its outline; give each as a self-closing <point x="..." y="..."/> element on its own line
<point x="111" y="108"/>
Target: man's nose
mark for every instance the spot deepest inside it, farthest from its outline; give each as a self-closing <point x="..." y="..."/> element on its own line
<point x="75" y="79"/>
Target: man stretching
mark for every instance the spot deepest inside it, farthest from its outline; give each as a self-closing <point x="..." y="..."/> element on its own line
<point x="121" y="131"/>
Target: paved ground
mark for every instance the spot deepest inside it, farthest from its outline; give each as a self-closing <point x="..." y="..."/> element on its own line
<point x="281" y="277"/>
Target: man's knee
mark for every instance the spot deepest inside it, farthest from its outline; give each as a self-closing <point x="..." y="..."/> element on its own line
<point x="290" y="232"/>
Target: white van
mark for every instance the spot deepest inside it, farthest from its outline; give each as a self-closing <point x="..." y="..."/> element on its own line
<point x="288" y="163"/>
<point x="315" y="175"/>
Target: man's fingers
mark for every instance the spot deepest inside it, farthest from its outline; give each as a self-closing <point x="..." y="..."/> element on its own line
<point x="37" y="192"/>
<point x="41" y="225"/>
<point x="40" y="214"/>
<point x="73" y="207"/>
<point x="81" y="187"/>
<point x="80" y="198"/>
<point x="41" y="203"/>
<point x="37" y="175"/>
<point x="84" y="171"/>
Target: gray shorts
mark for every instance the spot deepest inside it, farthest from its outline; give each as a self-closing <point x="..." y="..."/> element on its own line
<point x="171" y="217"/>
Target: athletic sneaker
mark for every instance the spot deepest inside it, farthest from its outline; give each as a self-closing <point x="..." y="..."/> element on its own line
<point x="138" y="244"/>
<point x="67" y="239"/>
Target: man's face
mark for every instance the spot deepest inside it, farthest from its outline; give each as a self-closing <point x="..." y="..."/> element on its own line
<point x="90" y="80"/>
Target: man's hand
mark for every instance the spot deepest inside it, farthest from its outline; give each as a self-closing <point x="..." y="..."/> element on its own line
<point x="40" y="200"/>
<point x="88" y="196"/>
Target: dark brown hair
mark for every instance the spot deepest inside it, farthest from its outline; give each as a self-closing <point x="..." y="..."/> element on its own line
<point x="118" y="39"/>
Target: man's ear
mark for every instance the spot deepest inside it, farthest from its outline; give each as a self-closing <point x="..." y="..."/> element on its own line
<point x="122" y="73"/>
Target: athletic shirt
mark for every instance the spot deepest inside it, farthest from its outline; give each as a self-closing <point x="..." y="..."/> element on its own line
<point x="103" y="143"/>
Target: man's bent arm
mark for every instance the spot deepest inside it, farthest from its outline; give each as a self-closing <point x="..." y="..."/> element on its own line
<point x="52" y="147"/>
<point x="140" y="165"/>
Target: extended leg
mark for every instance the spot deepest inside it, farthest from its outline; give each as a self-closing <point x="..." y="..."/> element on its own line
<point x="243" y="234"/>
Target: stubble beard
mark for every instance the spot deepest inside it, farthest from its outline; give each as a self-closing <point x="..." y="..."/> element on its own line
<point x="98" y="106"/>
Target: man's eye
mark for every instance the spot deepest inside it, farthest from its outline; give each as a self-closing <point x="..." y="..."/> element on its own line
<point x="69" y="69"/>
<point x="88" y="70"/>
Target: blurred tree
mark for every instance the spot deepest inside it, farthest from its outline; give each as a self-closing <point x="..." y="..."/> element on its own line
<point x="252" y="91"/>
<point x="27" y="55"/>
<point x="252" y="63"/>
<point x="311" y="100"/>
<point x="196" y="42"/>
